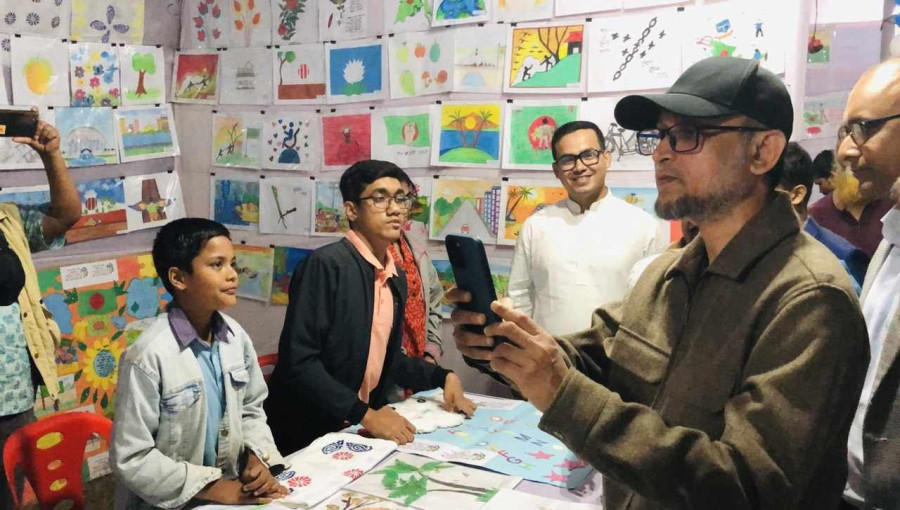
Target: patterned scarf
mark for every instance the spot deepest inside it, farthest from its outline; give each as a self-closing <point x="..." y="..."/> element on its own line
<point x="414" y="317"/>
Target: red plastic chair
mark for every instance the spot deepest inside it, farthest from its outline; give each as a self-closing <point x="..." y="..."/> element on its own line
<point x="267" y="364"/>
<point x="50" y="452"/>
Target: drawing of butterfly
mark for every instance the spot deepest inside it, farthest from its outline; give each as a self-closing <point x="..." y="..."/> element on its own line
<point x="338" y="445"/>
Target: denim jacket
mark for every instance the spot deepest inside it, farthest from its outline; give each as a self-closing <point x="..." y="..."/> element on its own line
<point x="159" y="430"/>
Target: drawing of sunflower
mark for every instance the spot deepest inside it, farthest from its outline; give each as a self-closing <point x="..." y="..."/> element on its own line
<point x="100" y="368"/>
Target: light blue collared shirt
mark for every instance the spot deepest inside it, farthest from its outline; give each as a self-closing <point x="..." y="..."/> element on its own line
<point x="210" y="368"/>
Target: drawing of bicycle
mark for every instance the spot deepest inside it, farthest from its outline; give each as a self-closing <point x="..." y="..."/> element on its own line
<point x="621" y="145"/>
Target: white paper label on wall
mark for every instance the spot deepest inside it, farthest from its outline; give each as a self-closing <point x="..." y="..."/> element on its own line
<point x="94" y="273"/>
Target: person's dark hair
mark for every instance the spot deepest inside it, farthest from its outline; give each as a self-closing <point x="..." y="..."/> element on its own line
<point x="798" y="169"/>
<point x="823" y="164"/>
<point x="569" y="128"/>
<point x="363" y="173"/>
<point x="179" y="242"/>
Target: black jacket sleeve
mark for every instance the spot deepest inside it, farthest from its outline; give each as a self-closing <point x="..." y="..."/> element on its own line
<point x="12" y="276"/>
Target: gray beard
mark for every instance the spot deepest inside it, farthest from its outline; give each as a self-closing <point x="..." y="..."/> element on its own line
<point x="706" y="208"/>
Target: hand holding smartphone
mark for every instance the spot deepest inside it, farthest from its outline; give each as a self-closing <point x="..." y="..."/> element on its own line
<point x="15" y="123"/>
<point x="473" y="275"/>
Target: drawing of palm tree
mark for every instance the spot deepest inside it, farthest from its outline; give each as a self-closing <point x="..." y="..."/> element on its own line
<point x="483" y="118"/>
<point x="524" y="192"/>
<point x="458" y="120"/>
<point x="420" y="481"/>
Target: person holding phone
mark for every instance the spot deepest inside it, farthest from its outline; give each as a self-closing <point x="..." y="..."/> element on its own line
<point x="340" y="349"/>
<point x="28" y="335"/>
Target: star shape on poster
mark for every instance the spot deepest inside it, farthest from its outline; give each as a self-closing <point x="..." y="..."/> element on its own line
<point x="540" y="455"/>
<point x="556" y="477"/>
<point x="662" y="34"/>
<point x="571" y="465"/>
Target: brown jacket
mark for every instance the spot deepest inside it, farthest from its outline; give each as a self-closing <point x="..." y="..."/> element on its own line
<point x="730" y="385"/>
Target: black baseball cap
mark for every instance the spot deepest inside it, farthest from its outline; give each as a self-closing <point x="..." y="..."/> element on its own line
<point x="715" y="87"/>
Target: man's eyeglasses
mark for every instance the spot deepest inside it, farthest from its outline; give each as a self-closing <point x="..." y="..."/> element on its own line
<point x="589" y="157"/>
<point x="381" y="202"/>
<point x="861" y="130"/>
<point x="682" y="137"/>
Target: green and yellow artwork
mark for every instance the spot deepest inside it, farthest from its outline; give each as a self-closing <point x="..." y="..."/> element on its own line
<point x="531" y="127"/>
<point x="236" y="140"/>
<point x="545" y="58"/>
<point x="469" y="135"/>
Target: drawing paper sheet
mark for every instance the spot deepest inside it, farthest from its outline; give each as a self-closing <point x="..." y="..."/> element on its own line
<point x="285" y="205"/>
<point x="506" y="499"/>
<point x="346" y="139"/>
<point x="424" y="483"/>
<point x="507" y="441"/>
<point x="237" y="139"/>
<point x="40" y="71"/>
<point x="406" y="16"/>
<point x="286" y="261"/>
<point x="479" y="56"/>
<point x="250" y="23"/>
<point x="87" y="136"/>
<point x="329" y="463"/>
<point x="108" y="21"/>
<point x="298" y="74"/>
<point x="421" y="63"/>
<point x="620" y="142"/>
<point x="636" y="4"/>
<point x="572" y="7"/>
<point x="195" y="77"/>
<point x="357" y="501"/>
<point x="94" y="69"/>
<point x="467" y="135"/>
<point x="19" y="156"/>
<point x="427" y="415"/>
<point x="328" y="217"/>
<point x="466" y="206"/>
<point x="416" y="227"/>
<point x="102" y="210"/>
<point x="635" y="52"/>
<point x="521" y="10"/>
<point x="152" y="200"/>
<point x="343" y="21"/>
<point x="545" y="58"/>
<point x="403" y="135"/>
<point x="643" y="197"/>
<point x="143" y="74"/>
<point x="524" y="197"/>
<point x="204" y="24"/>
<point x="234" y="200"/>
<point x="47" y="18"/>
<point x="291" y="141"/>
<point x="245" y="76"/>
<point x="295" y="21"/>
<point x="356" y="71"/>
<point x="455" y="12"/>
<point x="823" y="115"/>
<point x="529" y="130"/>
<point x="254" y="267"/>
<point x="26" y="195"/>
<point x="146" y="132"/>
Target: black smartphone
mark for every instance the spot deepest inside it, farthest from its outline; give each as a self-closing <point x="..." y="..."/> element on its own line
<point x="18" y="122"/>
<point x="473" y="274"/>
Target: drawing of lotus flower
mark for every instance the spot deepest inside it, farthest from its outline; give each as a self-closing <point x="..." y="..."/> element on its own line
<point x="354" y="74"/>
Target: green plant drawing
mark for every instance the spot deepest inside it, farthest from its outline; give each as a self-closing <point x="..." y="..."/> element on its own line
<point x="410" y="483"/>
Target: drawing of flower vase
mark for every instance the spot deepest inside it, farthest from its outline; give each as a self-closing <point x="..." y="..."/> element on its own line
<point x="354" y="73"/>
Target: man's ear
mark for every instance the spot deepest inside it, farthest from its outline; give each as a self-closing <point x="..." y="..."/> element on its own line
<point x="767" y="149"/>
<point x="178" y="278"/>
<point x="798" y="193"/>
<point x="351" y="210"/>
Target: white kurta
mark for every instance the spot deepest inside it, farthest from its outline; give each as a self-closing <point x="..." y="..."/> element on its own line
<point x="568" y="263"/>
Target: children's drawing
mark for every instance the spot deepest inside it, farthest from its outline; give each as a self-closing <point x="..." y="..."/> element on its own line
<point x="299" y="74"/>
<point x="425" y="483"/>
<point x="445" y="275"/>
<point x="48" y="18"/>
<point x="479" y="53"/>
<point x="251" y="23"/>
<point x="40" y="71"/>
<point x="344" y="500"/>
<point x="286" y="261"/>
<point x="153" y="200"/>
<point x="295" y="21"/>
<point x="403" y="136"/>
<point x="635" y="4"/>
<point x="328" y="213"/>
<point x="146" y="132"/>
<point x="823" y="115"/>
<point x="108" y="21"/>
<point x="406" y="16"/>
<point x="355" y="71"/>
<point x="736" y="30"/>
<point x="26" y="195"/>
<point x="529" y="130"/>
<point x="19" y="156"/>
<point x="87" y="136"/>
<point x="500" y="268"/>
<point x="246" y="76"/>
<point x="285" y="205"/>
<point x="195" y="79"/>
<point x="508" y="498"/>
<point x="94" y="70"/>
<point x="645" y="198"/>
<point x="454" y="12"/>
<point x="621" y="143"/>
<point x="521" y="10"/>
<point x="640" y="51"/>
<point x="204" y="24"/>
<point x="346" y="139"/>
<point x="573" y="7"/>
<point x="466" y="206"/>
<point x="523" y="199"/>
<point x="234" y="201"/>
<point x="254" y="267"/>
<point x="467" y="135"/>
<point x="819" y="44"/>
<point x="427" y="415"/>
<point x="236" y="139"/>
<point x="5" y="46"/>
<point x="416" y="227"/>
<point x="545" y="59"/>
<point x="102" y="210"/>
<point x="291" y="141"/>
<point x="421" y="63"/>
<point x="341" y="20"/>
<point x="143" y="75"/>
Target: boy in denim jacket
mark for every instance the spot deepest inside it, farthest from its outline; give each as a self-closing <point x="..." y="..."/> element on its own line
<point x="189" y="416"/>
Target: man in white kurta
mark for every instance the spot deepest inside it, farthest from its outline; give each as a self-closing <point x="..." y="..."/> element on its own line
<point x="575" y="255"/>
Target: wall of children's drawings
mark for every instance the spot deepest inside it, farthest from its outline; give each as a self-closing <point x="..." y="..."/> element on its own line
<point x="247" y="112"/>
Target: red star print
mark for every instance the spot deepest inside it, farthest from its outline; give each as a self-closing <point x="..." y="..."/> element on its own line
<point x="540" y="455"/>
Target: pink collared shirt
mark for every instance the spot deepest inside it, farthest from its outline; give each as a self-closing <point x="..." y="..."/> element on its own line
<point x="382" y="315"/>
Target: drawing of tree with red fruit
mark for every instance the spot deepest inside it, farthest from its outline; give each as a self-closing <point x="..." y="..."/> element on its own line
<point x="207" y="9"/>
<point x="246" y="18"/>
<point x="287" y="19"/>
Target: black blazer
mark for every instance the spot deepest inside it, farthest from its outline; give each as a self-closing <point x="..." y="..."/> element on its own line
<point x="324" y="349"/>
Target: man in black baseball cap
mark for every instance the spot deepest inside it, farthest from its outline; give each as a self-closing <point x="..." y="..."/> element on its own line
<point x="714" y="384"/>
